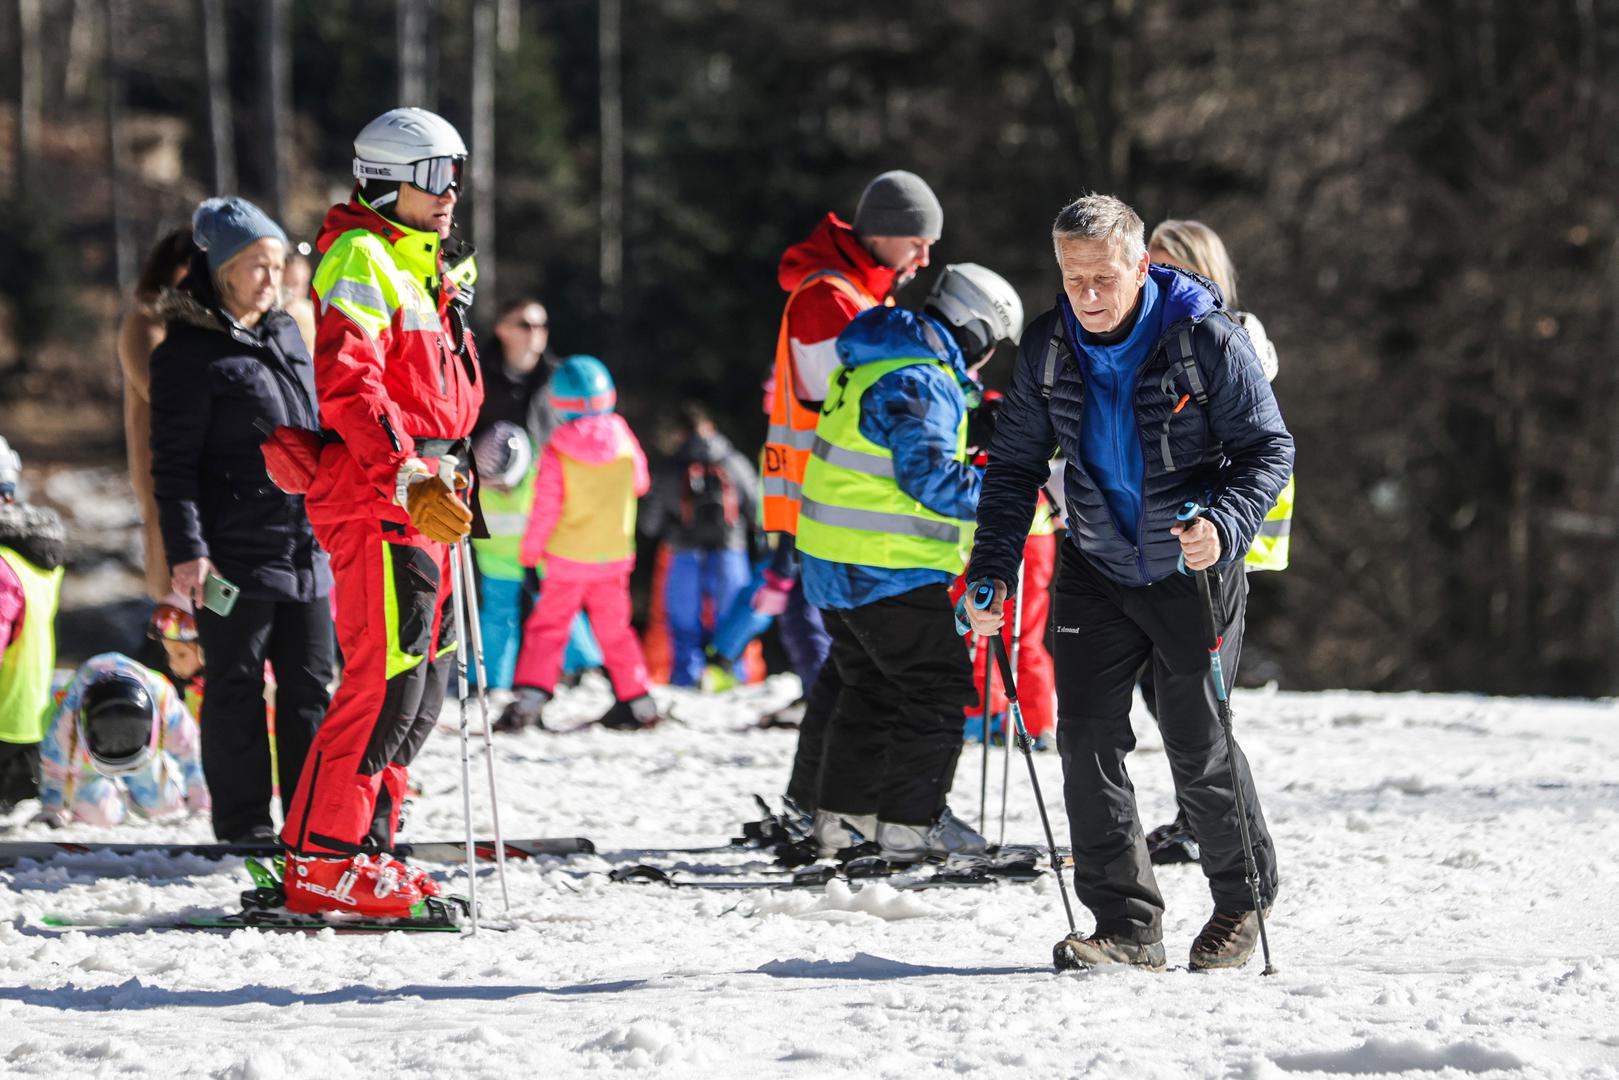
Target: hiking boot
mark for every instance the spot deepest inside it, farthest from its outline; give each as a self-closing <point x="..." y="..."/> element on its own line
<point x="948" y="835"/>
<point x="1226" y="941"/>
<point x="636" y="714"/>
<point x="1106" y="950"/>
<point x="1173" y="843"/>
<point x="833" y="832"/>
<point x="524" y="711"/>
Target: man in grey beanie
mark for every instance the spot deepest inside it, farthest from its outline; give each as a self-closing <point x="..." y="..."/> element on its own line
<point x="830" y="277"/>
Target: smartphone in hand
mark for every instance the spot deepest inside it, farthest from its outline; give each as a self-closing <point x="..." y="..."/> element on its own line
<point x="218" y="595"/>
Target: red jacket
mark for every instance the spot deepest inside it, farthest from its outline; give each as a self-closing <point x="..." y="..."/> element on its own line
<point x="391" y="363"/>
<point x="822" y="310"/>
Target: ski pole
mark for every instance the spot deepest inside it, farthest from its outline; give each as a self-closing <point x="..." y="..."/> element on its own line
<point x="1211" y="632"/>
<point x="983" y="596"/>
<point x="475" y="633"/>
<point x="446" y="473"/>
<point x="983" y="734"/>
<point x="1006" y="740"/>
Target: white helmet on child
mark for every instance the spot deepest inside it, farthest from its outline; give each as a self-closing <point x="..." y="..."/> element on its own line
<point x="978" y="302"/>
<point x="503" y="455"/>
<point x="410" y="146"/>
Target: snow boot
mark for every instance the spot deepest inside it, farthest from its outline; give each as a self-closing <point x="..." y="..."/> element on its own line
<point x="363" y="885"/>
<point x="1226" y="941"/>
<point x="636" y="714"/>
<point x="524" y="711"/>
<point x="1173" y="843"/>
<point x="1106" y="950"/>
<point x="835" y="832"/>
<point x="948" y="835"/>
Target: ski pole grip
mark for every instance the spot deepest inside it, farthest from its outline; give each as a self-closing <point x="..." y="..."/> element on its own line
<point x="1190" y="511"/>
<point x="446" y="470"/>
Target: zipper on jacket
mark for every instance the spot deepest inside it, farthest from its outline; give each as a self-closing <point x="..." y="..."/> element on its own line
<point x="443" y="373"/>
<point x="392" y="438"/>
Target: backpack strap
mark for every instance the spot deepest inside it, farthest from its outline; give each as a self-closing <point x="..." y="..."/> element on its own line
<point x="1057" y="356"/>
<point x="1182" y="361"/>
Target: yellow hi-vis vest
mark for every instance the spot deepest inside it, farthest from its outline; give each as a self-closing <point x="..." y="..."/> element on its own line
<point x="26" y="666"/>
<point x="853" y="510"/>
<point x="1269" y="550"/>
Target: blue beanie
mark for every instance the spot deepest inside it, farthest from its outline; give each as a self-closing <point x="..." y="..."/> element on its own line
<point x="222" y="227"/>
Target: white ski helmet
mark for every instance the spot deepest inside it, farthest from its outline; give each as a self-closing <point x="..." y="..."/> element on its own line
<point x="503" y="455"/>
<point x="410" y="146"/>
<point x="980" y="304"/>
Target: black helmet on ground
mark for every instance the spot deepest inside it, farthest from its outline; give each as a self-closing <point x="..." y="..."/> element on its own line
<point x="116" y="716"/>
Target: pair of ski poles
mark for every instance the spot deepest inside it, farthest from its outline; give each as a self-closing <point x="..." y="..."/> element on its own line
<point x="1006" y="758"/>
<point x="984" y="596"/>
<point x="464" y="602"/>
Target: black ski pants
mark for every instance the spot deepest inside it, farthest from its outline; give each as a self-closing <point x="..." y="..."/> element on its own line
<point x="1104" y="633"/>
<point x="297" y="639"/>
<point x="804" y="786"/>
<point x="896" y="730"/>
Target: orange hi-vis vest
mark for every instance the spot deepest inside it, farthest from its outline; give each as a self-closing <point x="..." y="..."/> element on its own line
<point x="791" y="435"/>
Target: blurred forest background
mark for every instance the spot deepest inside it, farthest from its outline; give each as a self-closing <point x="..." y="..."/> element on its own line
<point x="1418" y="195"/>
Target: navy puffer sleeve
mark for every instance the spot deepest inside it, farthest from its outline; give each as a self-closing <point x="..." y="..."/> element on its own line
<point x="1244" y="417"/>
<point x="1019" y="463"/>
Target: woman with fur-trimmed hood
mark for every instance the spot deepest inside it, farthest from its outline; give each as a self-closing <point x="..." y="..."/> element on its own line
<point x="232" y="367"/>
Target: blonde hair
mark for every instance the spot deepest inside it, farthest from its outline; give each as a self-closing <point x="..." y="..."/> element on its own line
<point x="1199" y="249"/>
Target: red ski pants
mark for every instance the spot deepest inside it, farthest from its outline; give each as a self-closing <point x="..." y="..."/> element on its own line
<point x="603" y="594"/>
<point x="395" y="629"/>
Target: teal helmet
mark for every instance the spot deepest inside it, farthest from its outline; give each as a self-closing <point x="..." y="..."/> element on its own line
<point x="582" y="386"/>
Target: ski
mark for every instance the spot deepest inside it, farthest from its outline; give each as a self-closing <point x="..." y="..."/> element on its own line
<point x="15" y="851"/>
<point x="957" y="872"/>
<point x="304" y="923"/>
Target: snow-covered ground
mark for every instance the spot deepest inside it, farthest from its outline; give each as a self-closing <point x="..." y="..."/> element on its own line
<point x="1450" y="906"/>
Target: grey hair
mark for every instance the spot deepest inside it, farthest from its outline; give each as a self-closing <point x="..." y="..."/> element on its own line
<point x="1102" y="217"/>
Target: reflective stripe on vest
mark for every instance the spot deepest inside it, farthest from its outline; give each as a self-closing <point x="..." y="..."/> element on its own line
<point x="854" y="511"/>
<point x="792" y="426"/>
<point x="1269" y="549"/>
<point x="506" y="514"/>
<point x="26" y="664"/>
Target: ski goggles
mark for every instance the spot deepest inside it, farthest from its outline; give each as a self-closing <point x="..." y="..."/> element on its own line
<point x="434" y="175"/>
<point x="169" y="623"/>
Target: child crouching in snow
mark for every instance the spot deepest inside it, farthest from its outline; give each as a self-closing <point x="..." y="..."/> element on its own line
<point x="122" y="739"/>
<point x="582" y="527"/>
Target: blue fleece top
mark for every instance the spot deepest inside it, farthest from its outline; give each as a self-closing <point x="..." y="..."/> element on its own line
<point x="914" y="412"/>
<point x="1109" y="444"/>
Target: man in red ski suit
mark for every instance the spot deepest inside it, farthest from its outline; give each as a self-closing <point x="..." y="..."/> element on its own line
<point x="397" y="379"/>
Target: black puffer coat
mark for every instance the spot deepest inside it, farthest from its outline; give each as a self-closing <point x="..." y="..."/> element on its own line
<point x="212" y="380"/>
<point x="1230" y="452"/>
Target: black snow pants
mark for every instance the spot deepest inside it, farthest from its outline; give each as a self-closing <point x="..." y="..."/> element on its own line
<point x="896" y="730"/>
<point x="1104" y="633"/>
<point x="297" y="638"/>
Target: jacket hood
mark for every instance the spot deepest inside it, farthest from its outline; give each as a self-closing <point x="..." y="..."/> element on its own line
<point x="594" y="440"/>
<point x="1186" y="295"/>
<point x="34" y="532"/>
<point x="834" y="246"/>
<point x="896" y="333"/>
<point x="710" y="450"/>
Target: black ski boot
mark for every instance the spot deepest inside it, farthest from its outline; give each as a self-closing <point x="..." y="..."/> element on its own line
<point x="1105" y="950"/>
<point x="524" y="711"/>
<point x="1173" y="843"/>
<point x="1226" y="941"/>
<point x="636" y="714"/>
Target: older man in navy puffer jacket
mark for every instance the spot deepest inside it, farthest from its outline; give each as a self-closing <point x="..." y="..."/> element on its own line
<point x="1156" y="398"/>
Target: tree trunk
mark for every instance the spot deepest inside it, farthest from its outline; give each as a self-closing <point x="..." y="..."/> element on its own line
<point x="221" y="127"/>
<point x="481" y="167"/>
<point x="612" y="157"/>
<point x="30" y="90"/>
<point x="412" y="44"/>
<point x="275" y="44"/>
<point x="117" y="166"/>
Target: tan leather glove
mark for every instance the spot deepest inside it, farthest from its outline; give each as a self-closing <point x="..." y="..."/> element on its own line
<point x="435" y="510"/>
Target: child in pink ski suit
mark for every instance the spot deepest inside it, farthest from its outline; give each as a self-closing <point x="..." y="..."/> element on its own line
<point x="582" y="526"/>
